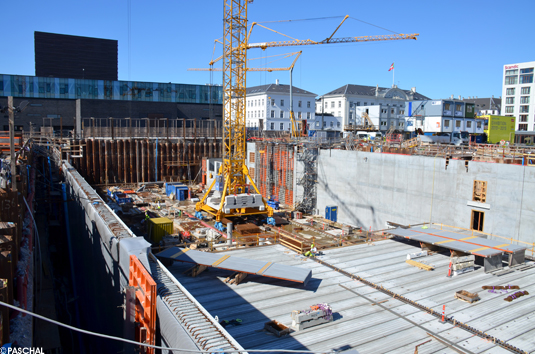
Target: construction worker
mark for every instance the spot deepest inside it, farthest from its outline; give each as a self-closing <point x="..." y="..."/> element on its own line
<point x="312" y="251"/>
<point x="147" y="217"/>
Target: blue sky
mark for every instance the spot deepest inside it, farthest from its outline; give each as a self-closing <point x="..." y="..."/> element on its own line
<point x="461" y="49"/>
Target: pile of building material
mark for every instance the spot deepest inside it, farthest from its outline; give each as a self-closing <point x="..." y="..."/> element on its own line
<point x="318" y="314"/>
<point x="462" y="265"/>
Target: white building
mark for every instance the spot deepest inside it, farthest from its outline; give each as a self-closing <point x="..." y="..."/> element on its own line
<point x="344" y="101"/>
<point x="518" y="92"/>
<point x="268" y="106"/>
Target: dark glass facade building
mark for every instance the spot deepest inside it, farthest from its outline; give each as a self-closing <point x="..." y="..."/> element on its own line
<point x="75" y="57"/>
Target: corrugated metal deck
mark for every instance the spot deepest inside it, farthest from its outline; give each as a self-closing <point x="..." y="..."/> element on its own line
<point x="457" y="241"/>
<point x="388" y="327"/>
<point x="238" y="264"/>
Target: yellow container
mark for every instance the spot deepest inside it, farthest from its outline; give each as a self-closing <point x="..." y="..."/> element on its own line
<point x="158" y="228"/>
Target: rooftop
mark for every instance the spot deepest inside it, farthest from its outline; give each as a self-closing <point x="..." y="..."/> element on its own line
<point x="362" y="90"/>
<point x="365" y="318"/>
<point x="277" y="88"/>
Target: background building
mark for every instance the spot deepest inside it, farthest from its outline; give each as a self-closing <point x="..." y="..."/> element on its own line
<point x="485" y="106"/>
<point x="342" y="101"/>
<point x="518" y="92"/>
<point x="72" y="68"/>
<point x="268" y="106"/>
<point x="75" y="57"/>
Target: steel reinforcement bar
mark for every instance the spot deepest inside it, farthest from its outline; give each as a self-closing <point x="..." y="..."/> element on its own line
<point x="459" y="324"/>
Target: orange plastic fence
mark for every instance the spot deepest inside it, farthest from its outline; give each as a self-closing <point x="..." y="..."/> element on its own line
<point x="145" y="303"/>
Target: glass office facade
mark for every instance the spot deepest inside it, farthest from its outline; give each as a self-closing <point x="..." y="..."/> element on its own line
<point x="50" y="87"/>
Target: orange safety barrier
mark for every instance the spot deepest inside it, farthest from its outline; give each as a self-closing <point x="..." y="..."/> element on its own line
<point x="145" y="303"/>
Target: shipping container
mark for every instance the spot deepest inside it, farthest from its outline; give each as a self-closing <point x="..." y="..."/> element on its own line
<point x="179" y="190"/>
<point x="459" y="109"/>
<point x="331" y="212"/>
<point x="157" y="228"/>
<point x="469" y="111"/>
<point x="499" y="128"/>
<point x="469" y="125"/>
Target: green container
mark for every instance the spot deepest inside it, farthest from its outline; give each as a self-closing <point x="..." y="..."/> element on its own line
<point x="158" y="228"/>
<point x="469" y="110"/>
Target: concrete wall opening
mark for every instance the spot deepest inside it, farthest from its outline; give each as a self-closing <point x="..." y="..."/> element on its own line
<point x="477" y="220"/>
<point x="480" y="191"/>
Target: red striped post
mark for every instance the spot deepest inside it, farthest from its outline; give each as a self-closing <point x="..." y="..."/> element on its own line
<point x="443" y="311"/>
<point x="449" y="270"/>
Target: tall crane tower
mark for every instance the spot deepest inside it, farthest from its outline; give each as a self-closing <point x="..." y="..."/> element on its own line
<point x="234" y="188"/>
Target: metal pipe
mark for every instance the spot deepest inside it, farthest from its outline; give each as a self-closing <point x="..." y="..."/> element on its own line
<point x="143" y="161"/>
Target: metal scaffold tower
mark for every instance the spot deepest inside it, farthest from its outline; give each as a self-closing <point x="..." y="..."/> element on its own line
<point x="307" y="155"/>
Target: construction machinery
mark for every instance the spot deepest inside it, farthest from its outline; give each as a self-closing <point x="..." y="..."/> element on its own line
<point x="233" y="185"/>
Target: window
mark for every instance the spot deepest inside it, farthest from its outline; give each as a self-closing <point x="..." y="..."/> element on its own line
<point x="358" y="103"/>
<point x="509" y="109"/>
<point x="350" y="104"/>
<point x="332" y="124"/>
<point x="299" y="115"/>
<point x="446" y="123"/>
<point x="281" y="114"/>
<point x="332" y="104"/>
<point x="447" y="106"/>
<point x="298" y="103"/>
<point x="308" y="104"/>
<point x="251" y="157"/>
<point x="510" y="91"/>
<point x="526" y="79"/>
<point x="524" y="109"/>
<point x="392" y="111"/>
<point x="272" y="101"/>
<point x="324" y="124"/>
<point x="338" y="124"/>
<point x="510" y="100"/>
<point x="523" y="117"/>
<point x="272" y="126"/>
<point x="281" y="126"/>
<point x="457" y="124"/>
<point x="400" y="124"/>
<point x="308" y="115"/>
<point x="402" y="111"/>
<point x="511" y="80"/>
<point x="523" y="127"/>
<point x="525" y="90"/>
<point x="282" y="103"/>
<point x="262" y="101"/>
<point x="511" y="72"/>
<point x="326" y="104"/>
<point x="365" y="103"/>
<point x="350" y="115"/>
<point x="383" y="110"/>
<point x="469" y="124"/>
<point x="272" y="114"/>
<point x="524" y="99"/>
<point x="339" y="104"/>
<point x="339" y="114"/>
<point x="477" y="220"/>
<point x="383" y="123"/>
<point x="478" y="125"/>
<point x="526" y="71"/>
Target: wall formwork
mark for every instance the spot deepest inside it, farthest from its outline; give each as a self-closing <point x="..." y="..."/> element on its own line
<point x="274" y="171"/>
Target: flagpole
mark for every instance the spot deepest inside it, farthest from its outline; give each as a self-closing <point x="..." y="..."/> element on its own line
<point x="393" y="72"/>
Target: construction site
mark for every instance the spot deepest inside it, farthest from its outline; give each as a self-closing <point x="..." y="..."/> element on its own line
<point x="184" y="236"/>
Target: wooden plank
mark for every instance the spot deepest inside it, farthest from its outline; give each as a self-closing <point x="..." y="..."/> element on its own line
<point x="419" y="265"/>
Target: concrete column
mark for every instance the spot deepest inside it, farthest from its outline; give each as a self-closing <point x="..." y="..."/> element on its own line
<point x="229" y="233"/>
<point x="78" y="119"/>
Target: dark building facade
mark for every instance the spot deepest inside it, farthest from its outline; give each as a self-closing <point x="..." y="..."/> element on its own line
<point x="75" y="57"/>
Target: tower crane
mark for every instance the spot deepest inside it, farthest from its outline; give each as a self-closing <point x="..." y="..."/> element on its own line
<point x="233" y="185"/>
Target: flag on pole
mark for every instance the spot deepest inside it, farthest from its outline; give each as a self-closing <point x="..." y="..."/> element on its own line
<point x="391" y="67"/>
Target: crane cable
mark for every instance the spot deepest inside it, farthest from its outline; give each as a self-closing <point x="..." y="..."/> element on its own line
<point x="330" y="17"/>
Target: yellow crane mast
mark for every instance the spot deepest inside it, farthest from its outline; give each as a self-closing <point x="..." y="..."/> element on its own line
<point x="233" y="195"/>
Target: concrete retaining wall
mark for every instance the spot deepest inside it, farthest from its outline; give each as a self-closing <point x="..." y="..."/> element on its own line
<point x="373" y="188"/>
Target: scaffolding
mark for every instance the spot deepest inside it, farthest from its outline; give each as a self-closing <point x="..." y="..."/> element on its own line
<point x="307" y="154"/>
